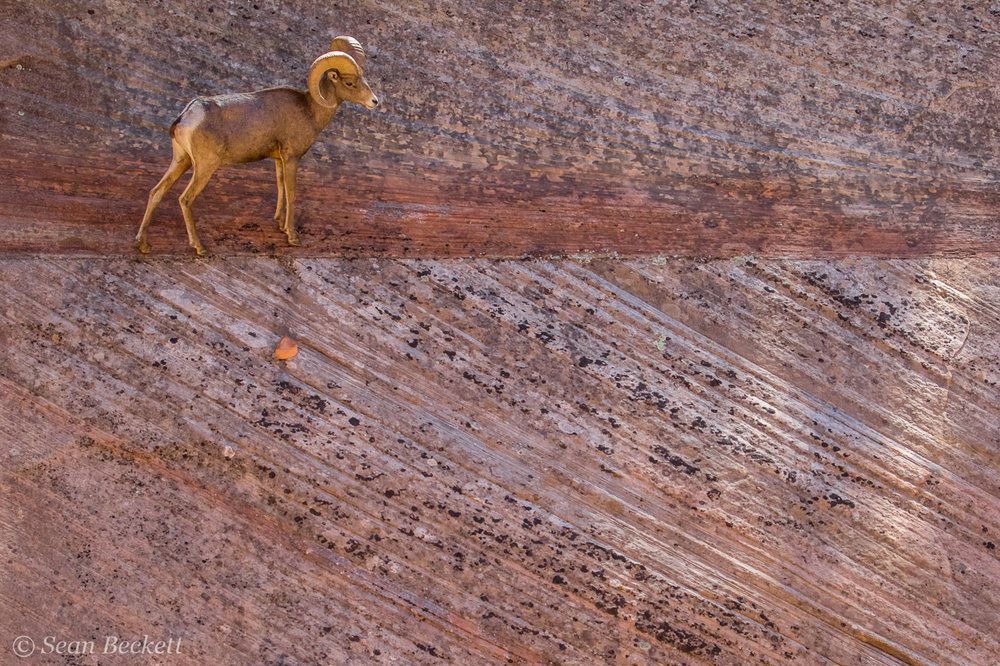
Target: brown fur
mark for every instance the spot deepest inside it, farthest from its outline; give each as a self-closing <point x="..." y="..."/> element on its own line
<point x="277" y="123"/>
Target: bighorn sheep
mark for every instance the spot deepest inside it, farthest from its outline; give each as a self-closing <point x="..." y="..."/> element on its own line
<point x="280" y="123"/>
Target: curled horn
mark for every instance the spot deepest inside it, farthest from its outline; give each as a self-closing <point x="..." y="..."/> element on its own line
<point x="338" y="60"/>
<point x="350" y="46"/>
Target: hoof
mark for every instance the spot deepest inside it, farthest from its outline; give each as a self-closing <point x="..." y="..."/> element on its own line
<point x="142" y="246"/>
<point x="202" y="252"/>
<point x="294" y="240"/>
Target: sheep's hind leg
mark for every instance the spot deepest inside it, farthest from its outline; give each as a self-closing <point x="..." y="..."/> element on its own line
<point x="279" y="213"/>
<point x="203" y="170"/>
<point x="180" y="163"/>
<point x="290" y="164"/>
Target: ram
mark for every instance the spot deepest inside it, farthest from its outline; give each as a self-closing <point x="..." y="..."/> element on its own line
<point x="277" y="123"/>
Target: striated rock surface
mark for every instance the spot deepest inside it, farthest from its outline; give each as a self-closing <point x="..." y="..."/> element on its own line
<point x="694" y="128"/>
<point x="787" y="450"/>
<point x="478" y="461"/>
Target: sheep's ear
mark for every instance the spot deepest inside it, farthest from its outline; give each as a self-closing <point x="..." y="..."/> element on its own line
<point x="320" y="69"/>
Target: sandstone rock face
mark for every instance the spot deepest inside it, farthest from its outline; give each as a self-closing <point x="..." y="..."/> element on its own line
<point x="577" y="449"/>
<point x="533" y="128"/>
<point x="632" y="461"/>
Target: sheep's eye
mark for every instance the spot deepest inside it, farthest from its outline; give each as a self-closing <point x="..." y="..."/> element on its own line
<point x="350" y="84"/>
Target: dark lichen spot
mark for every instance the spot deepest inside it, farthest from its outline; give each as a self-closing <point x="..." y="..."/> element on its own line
<point x="836" y="500"/>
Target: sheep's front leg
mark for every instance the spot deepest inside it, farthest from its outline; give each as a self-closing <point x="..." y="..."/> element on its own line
<point x="279" y="213"/>
<point x="290" y="164"/>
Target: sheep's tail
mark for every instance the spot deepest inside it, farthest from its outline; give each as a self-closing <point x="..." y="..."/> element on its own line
<point x="181" y="115"/>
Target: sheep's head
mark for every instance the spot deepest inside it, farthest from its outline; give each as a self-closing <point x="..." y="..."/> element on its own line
<point x="338" y="76"/>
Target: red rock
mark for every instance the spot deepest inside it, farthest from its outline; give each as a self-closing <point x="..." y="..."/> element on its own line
<point x="286" y="349"/>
